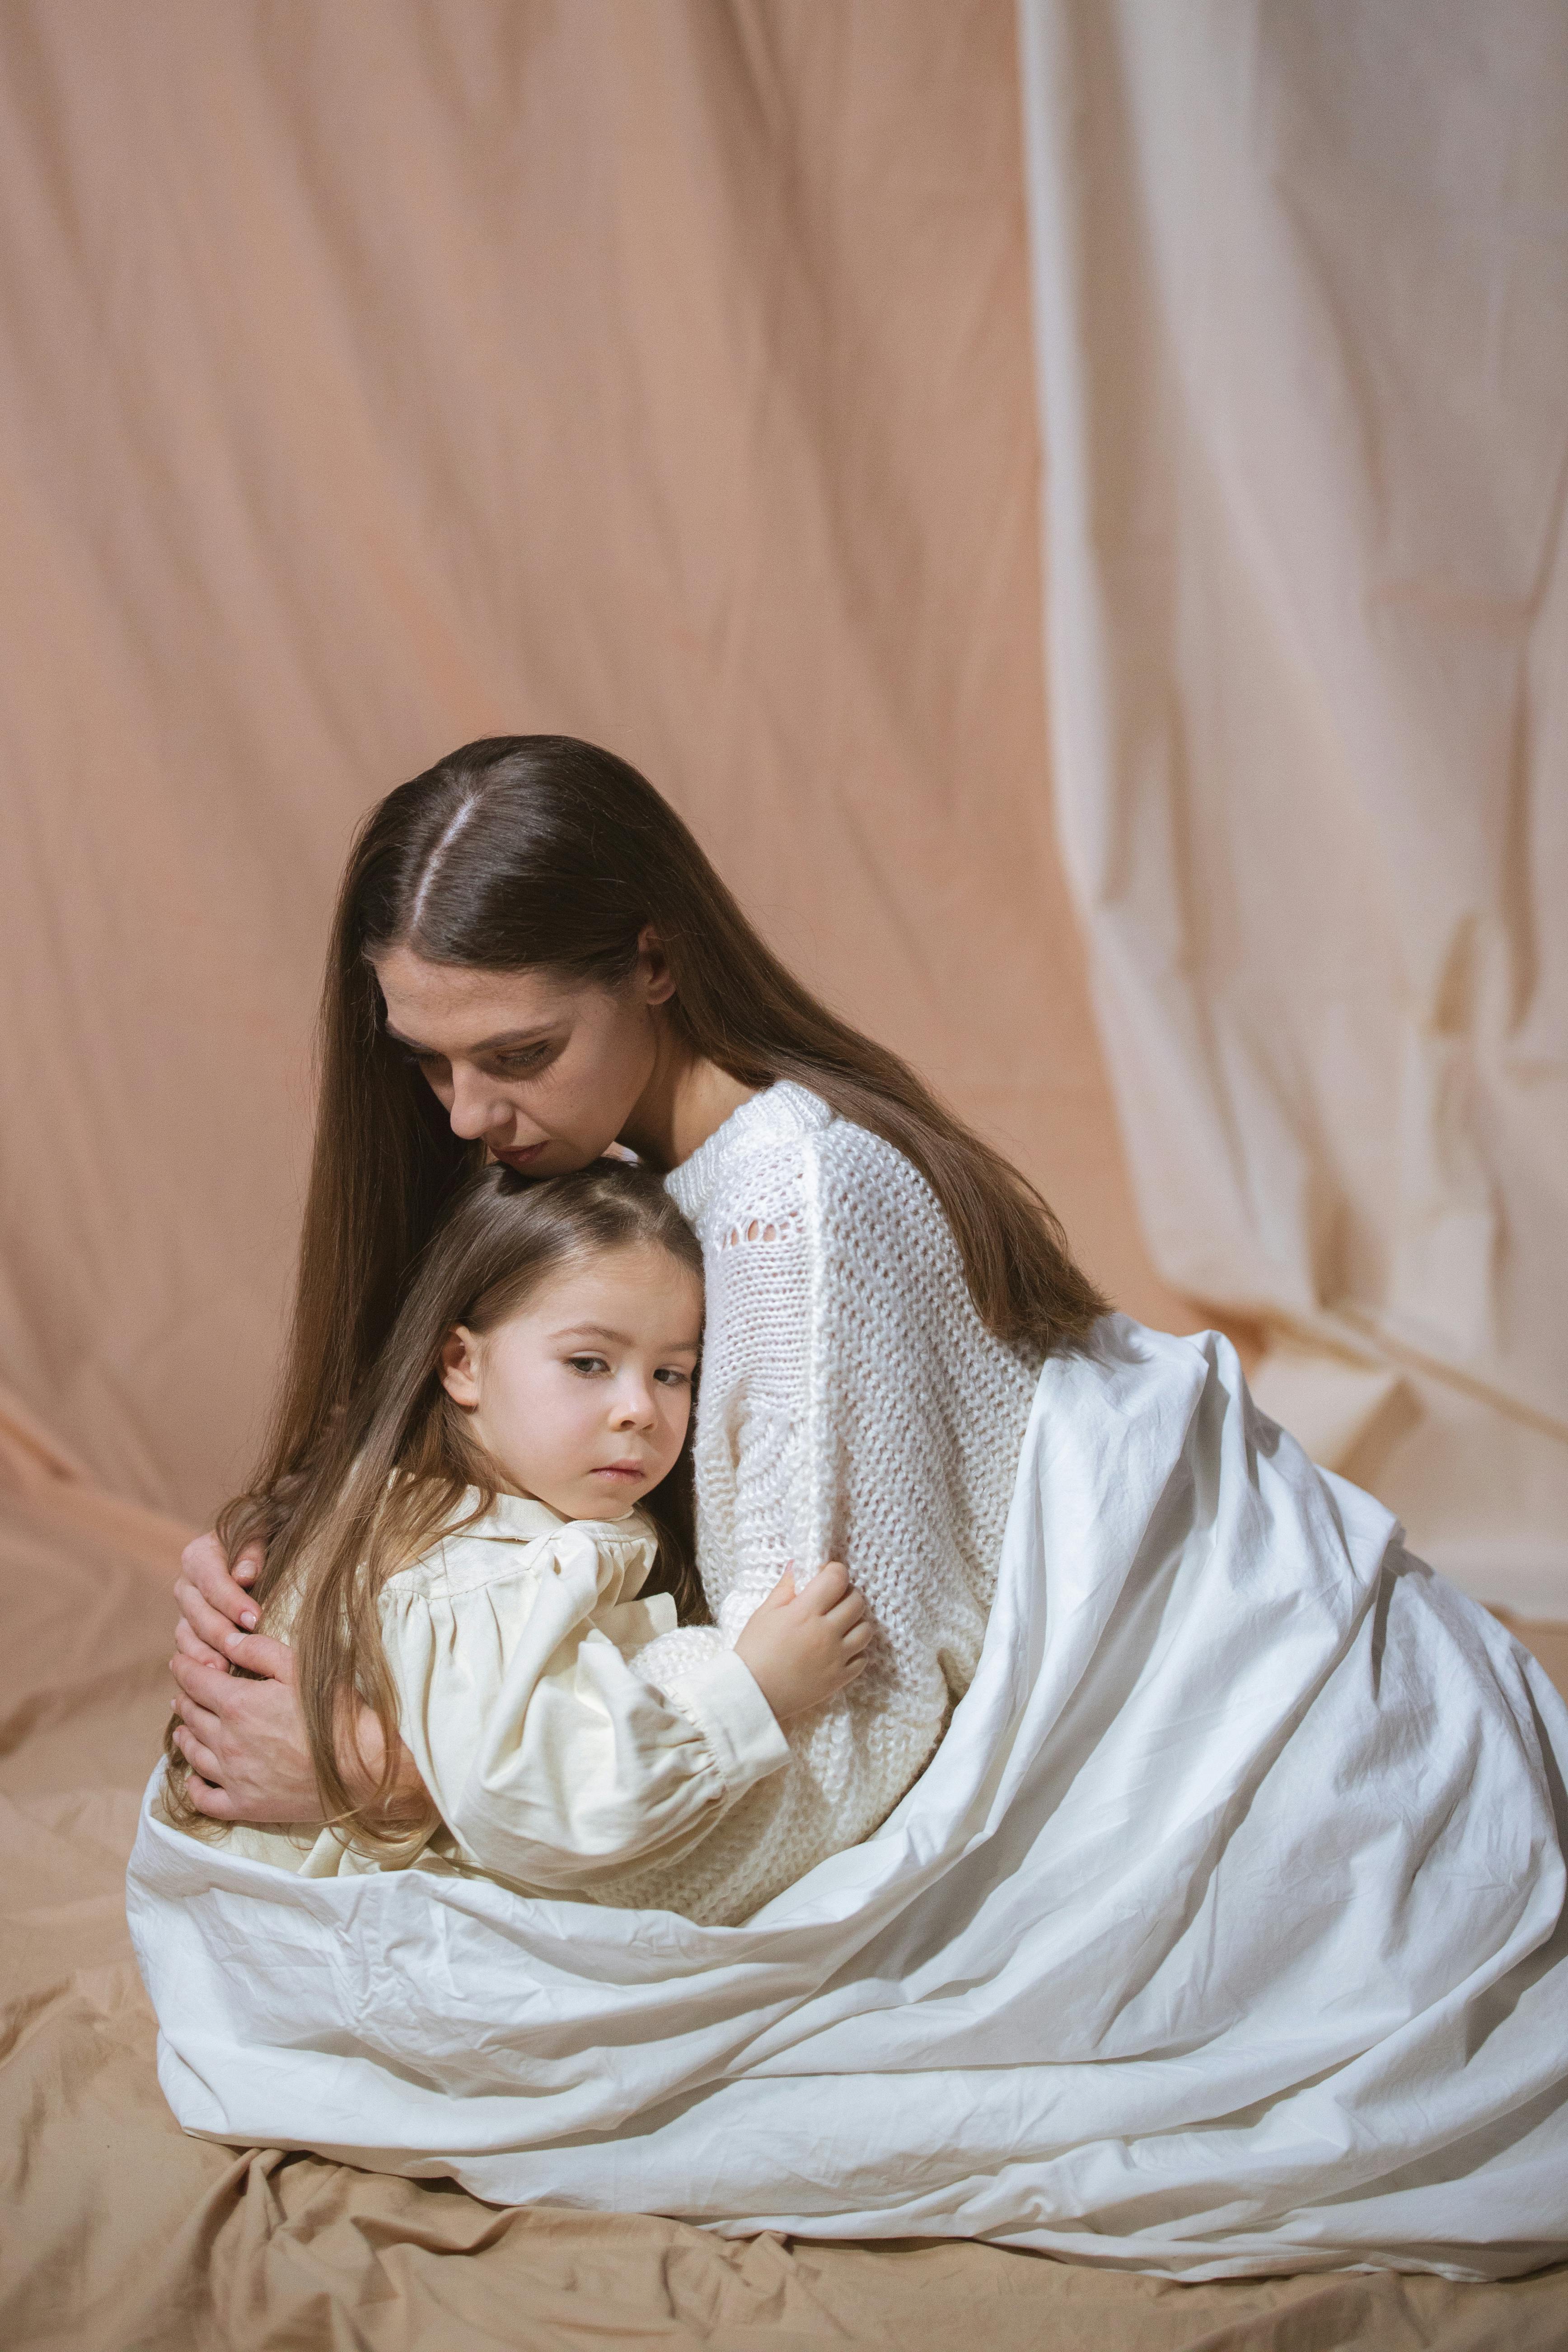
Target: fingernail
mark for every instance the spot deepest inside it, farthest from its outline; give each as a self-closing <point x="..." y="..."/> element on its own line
<point x="232" y="1640"/>
<point x="248" y="1619"/>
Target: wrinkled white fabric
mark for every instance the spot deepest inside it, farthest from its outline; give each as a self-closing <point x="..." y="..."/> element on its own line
<point x="1224" y="1932"/>
<point x="552" y="1760"/>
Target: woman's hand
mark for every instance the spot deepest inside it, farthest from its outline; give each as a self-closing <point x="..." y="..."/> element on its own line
<point x="804" y="1647"/>
<point x="215" y="1606"/>
<point x="244" y="1740"/>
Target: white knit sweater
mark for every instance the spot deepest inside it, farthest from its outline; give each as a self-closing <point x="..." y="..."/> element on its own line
<point x="853" y="1407"/>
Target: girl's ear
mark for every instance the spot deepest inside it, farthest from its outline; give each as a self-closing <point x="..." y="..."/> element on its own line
<point x="460" y="1368"/>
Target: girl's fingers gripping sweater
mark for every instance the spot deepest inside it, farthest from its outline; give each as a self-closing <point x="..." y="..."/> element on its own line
<point x="804" y="1646"/>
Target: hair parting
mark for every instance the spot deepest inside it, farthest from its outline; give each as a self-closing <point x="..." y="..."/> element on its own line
<point x="530" y="852"/>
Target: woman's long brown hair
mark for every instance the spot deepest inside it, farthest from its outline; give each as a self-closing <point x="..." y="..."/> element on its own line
<point x="530" y="852"/>
<point x="395" y="1469"/>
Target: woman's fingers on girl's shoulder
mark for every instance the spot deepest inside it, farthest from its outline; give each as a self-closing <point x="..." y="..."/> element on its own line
<point x="205" y="1574"/>
<point x="211" y="1687"/>
<point x="196" y="1722"/>
<point x="258" y="1654"/>
<point x="205" y="1622"/>
<point x="215" y="1803"/>
<point x="189" y="1643"/>
<point x="196" y="1753"/>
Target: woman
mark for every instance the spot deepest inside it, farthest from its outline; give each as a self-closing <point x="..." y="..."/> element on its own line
<point x="530" y="938"/>
<point x="1222" y="1931"/>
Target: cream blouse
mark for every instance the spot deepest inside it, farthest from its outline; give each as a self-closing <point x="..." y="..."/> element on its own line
<point x="553" y="1763"/>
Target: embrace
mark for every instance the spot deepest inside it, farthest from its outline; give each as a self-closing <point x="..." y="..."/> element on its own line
<point x="741" y="1690"/>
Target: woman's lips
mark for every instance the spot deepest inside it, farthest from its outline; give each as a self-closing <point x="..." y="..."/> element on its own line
<point x="523" y="1158"/>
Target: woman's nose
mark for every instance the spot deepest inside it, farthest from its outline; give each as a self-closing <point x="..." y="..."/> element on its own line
<point x="474" y="1110"/>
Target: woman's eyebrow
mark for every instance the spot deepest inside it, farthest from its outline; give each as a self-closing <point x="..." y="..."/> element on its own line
<point x="485" y="1045"/>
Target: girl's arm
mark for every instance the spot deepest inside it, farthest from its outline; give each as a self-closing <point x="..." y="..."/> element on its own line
<point x="552" y="1760"/>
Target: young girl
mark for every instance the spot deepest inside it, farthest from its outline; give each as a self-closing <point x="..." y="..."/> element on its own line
<point x="467" y="1554"/>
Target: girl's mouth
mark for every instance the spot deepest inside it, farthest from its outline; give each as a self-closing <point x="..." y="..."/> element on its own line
<point x="627" y="1470"/>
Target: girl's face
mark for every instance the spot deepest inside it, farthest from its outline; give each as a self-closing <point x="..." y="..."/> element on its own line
<point x="582" y="1397"/>
<point x="543" y="1073"/>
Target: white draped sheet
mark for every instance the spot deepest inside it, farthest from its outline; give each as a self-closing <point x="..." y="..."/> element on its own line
<point x="1224" y="1933"/>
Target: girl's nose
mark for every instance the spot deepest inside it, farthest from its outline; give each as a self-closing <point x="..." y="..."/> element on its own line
<point x="634" y="1407"/>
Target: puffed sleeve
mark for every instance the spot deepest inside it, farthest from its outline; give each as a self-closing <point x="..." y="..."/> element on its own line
<point x="550" y="1759"/>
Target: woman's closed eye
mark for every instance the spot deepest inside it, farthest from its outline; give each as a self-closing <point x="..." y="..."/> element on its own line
<point x="523" y="1059"/>
<point x="521" y="1063"/>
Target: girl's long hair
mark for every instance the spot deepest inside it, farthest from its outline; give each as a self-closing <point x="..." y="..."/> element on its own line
<point x="393" y="1468"/>
<point x="538" y="852"/>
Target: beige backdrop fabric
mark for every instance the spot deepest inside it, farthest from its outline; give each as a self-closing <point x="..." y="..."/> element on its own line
<point x="377" y="376"/>
<point x="1302" y="277"/>
<point x="374" y="375"/>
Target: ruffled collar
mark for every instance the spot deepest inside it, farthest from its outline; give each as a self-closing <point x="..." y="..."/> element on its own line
<point x="518" y="1519"/>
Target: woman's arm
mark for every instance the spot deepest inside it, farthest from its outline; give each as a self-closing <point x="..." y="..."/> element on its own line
<point x="243" y="1739"/>
<point x="853" y="1406"/>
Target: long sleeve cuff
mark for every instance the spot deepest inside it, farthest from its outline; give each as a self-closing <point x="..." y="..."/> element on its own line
<point x="721" y="1697"/>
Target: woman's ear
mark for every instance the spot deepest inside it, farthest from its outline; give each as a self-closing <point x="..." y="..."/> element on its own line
<point x="657" y="980"/>
<point x="460" y="1368"/>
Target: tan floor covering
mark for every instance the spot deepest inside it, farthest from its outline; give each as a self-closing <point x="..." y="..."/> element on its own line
<point x="122" y="2235"/>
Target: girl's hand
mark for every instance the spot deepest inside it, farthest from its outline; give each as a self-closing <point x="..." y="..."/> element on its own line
<point x="804" y="1647"/>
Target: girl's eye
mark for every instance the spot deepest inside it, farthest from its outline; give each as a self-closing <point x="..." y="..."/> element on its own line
<point x="673" y="1378"/>
<point x="588" y="1366"/>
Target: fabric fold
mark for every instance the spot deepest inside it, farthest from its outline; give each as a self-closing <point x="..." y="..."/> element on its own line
<point x="1224" y="1932"/>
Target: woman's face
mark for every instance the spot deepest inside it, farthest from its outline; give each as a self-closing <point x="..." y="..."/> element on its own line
<point x="546" y="1074"/>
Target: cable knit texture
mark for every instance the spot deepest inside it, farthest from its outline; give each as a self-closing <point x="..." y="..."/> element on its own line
<point x="853" y="1407"/>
